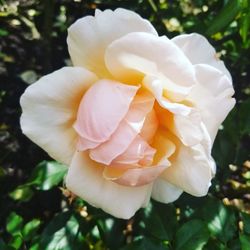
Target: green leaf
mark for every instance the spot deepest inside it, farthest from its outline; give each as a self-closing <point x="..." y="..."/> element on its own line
<point x="61" y="233"/>
<point x="161" y="221"/>
<point x="30" y="229"/>
<point x="245" y="242"/>
<point x="244" y="28"/>
<point x="3" y="32"/>
<point x="225" y="17"/>
<point x="47" y="174"/>
<point x="22" y="193"/>
<point x="215" y="245"/>
<point x="193" y="235"/>
<point x="14" y="224"/>
<point x="145" y="244"/>
<point x="16" y="242"/>
<point x="220" y="220"/>
<point x="29" y="76"/>
<point x="246" y="222"/>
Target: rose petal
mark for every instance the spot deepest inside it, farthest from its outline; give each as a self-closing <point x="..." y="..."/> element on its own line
<point x="212" y="96"/>
<point x="190" y="170"/>
<point x="137" y="54"/>
<point x="199" y="51"/>
<point x="85" y="179"/>
<point x="101" y="110"/>
<point x="155" y="85"/>
<point x="49" y="110"/>
<point x="89" y="36"/>
<point x="165" y="192"/>
<point x="127" y="130"/>
<point x="138" y="152"/>
<point x="185" y="123"/>
<point x="140" y="176"/>
<point x="164" y="143"/>
<point x="150" y="126"/>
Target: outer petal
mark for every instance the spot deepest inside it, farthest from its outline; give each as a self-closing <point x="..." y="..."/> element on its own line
<point x="89" y="36"/>
<point x="85" y="180"/>
<point x="137" y="54"/>
<point x="198" y="50"/>
<point x="49" y="110"/>
<point x="191" y="170"/>
<point x="212" y="96"/>
<point x="165" y="192"/>
<point x="101" y="110"/>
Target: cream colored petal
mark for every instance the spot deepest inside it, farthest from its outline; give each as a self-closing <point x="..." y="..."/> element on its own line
<point x="138" y="54"/>
<point x="49" y="110"/>
<point x="89" y="36"/>
<point x="85" y="179"/>
<point x="212" y="96"/>
<point x="199" y="51"/>
<point x="165" y="192"/>
<point x="188" y="128"/>
<point x="191" y="169"/>
<point x="164" y="142"/>
<point x="185" y="122"/>
<point x="150" y="126"/>
<point x="155" y="85"/>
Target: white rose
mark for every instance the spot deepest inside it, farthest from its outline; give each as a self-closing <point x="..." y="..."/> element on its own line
<point x="135" y="117"/>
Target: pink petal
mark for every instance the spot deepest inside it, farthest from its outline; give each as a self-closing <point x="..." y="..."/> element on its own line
<point x="140" y="176"/>
<point x="127" y="130"/>
<point x="139" y="152"/>
<point x="101" y="110"/>
<point x="150" y="126"/>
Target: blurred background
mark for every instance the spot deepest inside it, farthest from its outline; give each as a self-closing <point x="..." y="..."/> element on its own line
<point x="37" y="212"/>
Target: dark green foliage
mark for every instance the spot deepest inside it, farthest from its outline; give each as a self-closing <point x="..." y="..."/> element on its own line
<point x="37" y="213"/>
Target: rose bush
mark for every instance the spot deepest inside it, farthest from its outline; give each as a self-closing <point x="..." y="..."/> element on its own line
<point x="135" y="117"/>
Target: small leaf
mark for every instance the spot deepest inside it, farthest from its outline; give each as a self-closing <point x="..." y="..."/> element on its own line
<point x="30" y="229"/>
<point x="3" y="32"/>
<point x="47" y="174"/>
<point x="161" y="222"/>
<point x="225" y="17"/>
<point x="16" y="242"/>
<point x="245" y="242"/>
<point x="22" y="193"/>
<point x="14" y="223"/>
<point x="221" y="220"/>
<point x="61" y="233"/>
<point x="193" y="235"/>
<point x="29" y="76"/>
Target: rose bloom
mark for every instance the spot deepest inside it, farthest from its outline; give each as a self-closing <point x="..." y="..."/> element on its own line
<point x="135" y="117"/>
